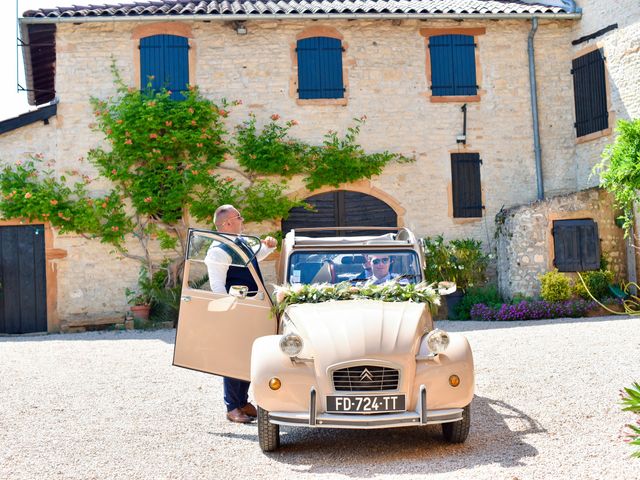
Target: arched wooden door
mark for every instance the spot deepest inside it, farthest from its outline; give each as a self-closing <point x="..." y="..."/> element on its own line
<point x="342" y="208"/>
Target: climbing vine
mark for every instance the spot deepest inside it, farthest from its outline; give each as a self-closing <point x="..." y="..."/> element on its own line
<point x="167" y="163"/>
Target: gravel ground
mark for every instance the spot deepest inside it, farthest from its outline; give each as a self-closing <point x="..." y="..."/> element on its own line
<point x="110" y="405"/>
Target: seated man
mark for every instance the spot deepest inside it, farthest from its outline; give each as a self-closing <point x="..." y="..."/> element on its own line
<point x="380" y="264"/>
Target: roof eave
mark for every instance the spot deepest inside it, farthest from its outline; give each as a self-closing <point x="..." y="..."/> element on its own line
<point x="312" y="16"/>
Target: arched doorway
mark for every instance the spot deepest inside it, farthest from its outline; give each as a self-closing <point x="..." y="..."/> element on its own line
<point x="341" y="208"/>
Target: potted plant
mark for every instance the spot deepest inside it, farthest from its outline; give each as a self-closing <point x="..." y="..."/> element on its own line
<point x="141" y="298"/>
<point x="461" y="261"/>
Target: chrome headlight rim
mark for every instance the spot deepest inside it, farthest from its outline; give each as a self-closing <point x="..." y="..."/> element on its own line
<point x="291" y="344"/>
<point x="438" y="341"/>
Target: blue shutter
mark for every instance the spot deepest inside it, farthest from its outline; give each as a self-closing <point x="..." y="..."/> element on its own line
<point x="453" y="65"/>
<point x="176" y="65"/>
<point x="151" y="62"/>
<point x="464" y="64"/>
<point x="442" y="82"/>
<point x="320" y="68"/>
<point x="166" y="58"/>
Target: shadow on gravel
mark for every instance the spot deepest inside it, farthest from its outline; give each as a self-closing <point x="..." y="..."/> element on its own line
<point x="498" y="435"/>
<point x="472" y="325"/>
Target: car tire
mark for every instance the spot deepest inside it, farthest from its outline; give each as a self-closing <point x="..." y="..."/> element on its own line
<point x="457" y="432"/>
<point x="268" y="433"/>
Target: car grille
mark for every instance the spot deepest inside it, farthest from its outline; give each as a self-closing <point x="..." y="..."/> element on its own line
<point x="366" y="378"/>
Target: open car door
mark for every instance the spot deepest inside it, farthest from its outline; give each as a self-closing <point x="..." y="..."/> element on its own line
<point x="216" y="330"/>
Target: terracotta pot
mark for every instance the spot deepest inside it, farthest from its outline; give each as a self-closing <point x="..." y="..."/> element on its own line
<point x="452" y="300"/>
<point x="141" y="311"/>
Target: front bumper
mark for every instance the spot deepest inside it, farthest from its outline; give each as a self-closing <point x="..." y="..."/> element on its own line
<point x="420" y="416"/>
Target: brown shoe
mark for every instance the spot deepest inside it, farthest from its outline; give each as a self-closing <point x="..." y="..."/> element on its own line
<point x="249" y="410"/>
<point x="238" y="416"/>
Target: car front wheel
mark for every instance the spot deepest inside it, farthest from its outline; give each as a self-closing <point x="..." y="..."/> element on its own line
<point x="268" y="433"/>
<point x="457" y="432"/>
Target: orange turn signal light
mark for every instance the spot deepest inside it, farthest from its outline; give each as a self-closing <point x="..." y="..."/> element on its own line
<point x="275" y="383"/>
<point x="454" y="380"/>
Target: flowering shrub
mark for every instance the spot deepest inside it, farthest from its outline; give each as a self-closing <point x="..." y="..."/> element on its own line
<point x="532" y="310"/>
<point x="323" y="292"/>
<point x="631" y="401"/>
<point x="163" y="159"/>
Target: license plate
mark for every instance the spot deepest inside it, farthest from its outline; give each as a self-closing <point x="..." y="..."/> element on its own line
<point x="365" y="403"/>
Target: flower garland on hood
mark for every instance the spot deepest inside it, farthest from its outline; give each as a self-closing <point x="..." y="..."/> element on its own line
<point x="391" y="291"/>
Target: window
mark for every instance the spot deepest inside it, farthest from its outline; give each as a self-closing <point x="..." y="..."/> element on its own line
<point x="465" y="185"/>
<point x="319" y="68"/>
<point x="165" y="59"/>
<point x="590" y="93"/>
<point x="453" y="65"/>
<point x="576" y="245"/>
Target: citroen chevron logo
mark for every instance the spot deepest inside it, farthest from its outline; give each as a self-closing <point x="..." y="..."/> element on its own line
<point x="366" y="375"/>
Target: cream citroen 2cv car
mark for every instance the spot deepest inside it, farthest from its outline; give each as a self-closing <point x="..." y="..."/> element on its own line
<point x="359" y="362"/>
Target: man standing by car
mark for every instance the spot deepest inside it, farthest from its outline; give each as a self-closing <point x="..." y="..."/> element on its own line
<point x="222" y="274"/>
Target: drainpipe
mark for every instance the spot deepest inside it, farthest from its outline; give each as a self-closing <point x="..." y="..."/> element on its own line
<point x="534" y="108"/>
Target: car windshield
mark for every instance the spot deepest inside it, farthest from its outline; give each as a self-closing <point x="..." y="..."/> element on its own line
<point x="354" y="265"/>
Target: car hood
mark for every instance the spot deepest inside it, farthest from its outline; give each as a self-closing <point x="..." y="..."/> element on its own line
<point x="338" y="331"/>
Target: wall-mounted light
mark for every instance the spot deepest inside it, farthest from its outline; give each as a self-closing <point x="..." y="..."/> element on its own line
<point x="463" y="137"/>
<point x="240" y="27"/>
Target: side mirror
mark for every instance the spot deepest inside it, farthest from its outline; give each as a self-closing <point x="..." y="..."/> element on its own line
<point x="239" y="291"/>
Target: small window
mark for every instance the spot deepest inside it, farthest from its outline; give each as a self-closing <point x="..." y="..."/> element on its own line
<point x="453" y="65"/>
<point x="576" y="245"/>
<point x="590" y="93"/>
<point x="465" y="185"/>
<point x="320" y="68"/>
<point x="164" y="60"/>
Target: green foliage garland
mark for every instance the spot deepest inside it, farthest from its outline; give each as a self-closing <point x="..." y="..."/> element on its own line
<point x="323" y="292"/>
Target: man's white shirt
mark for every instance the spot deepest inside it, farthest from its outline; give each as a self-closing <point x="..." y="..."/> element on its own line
<point x="218" y="262"/>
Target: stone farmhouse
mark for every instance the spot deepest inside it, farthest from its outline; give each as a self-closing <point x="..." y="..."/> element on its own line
<point x="506" y="106"/>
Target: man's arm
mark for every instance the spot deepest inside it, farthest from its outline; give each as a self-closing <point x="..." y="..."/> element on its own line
<point x="217" y="262"/>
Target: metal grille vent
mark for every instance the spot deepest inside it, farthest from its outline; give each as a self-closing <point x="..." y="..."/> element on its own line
<point x="365" y="378"/>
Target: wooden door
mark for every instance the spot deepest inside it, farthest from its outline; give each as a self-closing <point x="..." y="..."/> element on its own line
<point x="23" y="291"/>
<point x="342" y="208"/>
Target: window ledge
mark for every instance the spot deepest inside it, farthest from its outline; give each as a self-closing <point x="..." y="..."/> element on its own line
<point x="465" y="220"/>
<point x="594" y="135"/>
<point x="454" y="98"/>
<point x="321" y="101"/>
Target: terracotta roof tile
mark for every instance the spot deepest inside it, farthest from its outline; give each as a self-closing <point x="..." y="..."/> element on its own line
<point x="302" y="7"/>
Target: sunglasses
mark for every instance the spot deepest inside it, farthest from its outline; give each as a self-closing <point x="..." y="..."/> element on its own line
<point x="378" y="260"/>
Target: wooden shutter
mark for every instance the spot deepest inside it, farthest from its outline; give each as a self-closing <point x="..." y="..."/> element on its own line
<point x="166" y="59"/>
<point x="465" y="185"/>
<point x="589" y="91"/>
<point x="320" y="68"/>
<point x="576" y="245"/>
<point x="453" y="65"/>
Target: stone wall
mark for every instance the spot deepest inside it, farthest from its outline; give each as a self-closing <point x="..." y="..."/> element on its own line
<point x="386" y="76"/>
<point x="525" y="241"/>
<point x="622" y="53"/>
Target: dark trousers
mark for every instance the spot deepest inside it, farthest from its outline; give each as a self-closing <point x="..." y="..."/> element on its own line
<point x="235" y="393"/>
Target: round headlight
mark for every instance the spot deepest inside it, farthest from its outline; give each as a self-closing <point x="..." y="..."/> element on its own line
<point x="291" y="344"/>
<point x="437" y="341"/>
